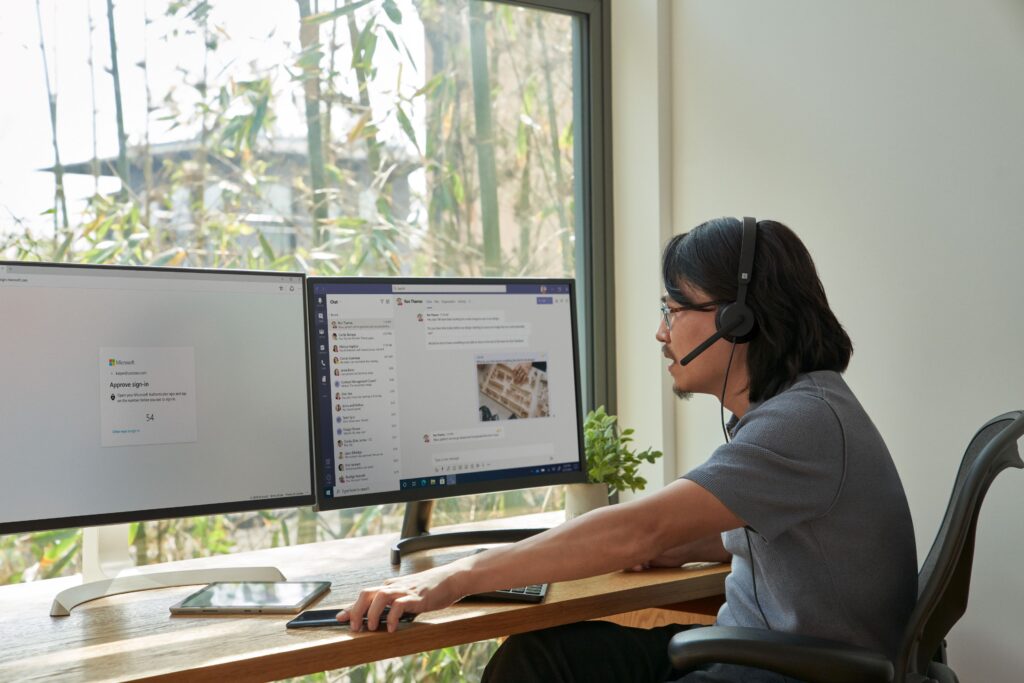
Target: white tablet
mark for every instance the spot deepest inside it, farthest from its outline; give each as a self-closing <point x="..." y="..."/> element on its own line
<point x="252" y="597"/>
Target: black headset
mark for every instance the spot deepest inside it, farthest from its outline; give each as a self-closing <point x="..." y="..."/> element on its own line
<point x="735" y="321"/>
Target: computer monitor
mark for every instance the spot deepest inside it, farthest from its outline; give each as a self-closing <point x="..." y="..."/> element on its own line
<point x="428" y="388"/>
<point x="132" y="394"/>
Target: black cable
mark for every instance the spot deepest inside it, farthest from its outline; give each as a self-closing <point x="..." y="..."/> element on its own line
<point x="721" y="400"/>
<point x="746" y="530"/>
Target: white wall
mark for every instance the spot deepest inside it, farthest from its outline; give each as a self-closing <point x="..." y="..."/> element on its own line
<point x="642" y="176"/>
<point x="890" y="136"/>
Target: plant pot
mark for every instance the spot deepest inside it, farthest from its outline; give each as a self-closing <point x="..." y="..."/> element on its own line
<point x="581" y="498"/>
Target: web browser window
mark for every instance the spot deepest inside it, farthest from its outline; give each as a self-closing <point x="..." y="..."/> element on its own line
<point x="129" y="390"/>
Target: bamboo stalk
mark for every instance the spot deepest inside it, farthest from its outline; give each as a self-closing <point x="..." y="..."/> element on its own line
<point x="372" y="143"/>
<point x="122" y="138"/>
<point x="309" y="37"/>
<point x="94" y="164"/>
<point x="487" y="167"/>
<point x="58" y="170"/>
<point x="147" y="158"/>
<point x="556" y="154"/>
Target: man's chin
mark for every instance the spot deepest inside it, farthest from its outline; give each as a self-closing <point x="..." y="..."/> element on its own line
<point x="680" y="394"/>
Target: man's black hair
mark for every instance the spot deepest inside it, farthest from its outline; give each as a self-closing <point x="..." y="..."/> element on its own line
<point x="795" y="330"/>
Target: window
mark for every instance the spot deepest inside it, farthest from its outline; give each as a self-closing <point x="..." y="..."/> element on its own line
<point x="415" y="137"/>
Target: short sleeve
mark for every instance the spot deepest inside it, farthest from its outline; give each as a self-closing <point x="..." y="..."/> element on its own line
<point x="785" y="465"/>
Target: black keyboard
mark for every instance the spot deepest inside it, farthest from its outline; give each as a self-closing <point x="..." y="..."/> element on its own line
<point x="533" y="593"/>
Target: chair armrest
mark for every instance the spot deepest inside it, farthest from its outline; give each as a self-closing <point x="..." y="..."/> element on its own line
<point x="814" y="660"/>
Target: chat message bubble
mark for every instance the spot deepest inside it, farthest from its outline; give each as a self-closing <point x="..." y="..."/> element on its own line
<point x="472" y="435"/>
<point x="459" y="316"/>
<point x="446" y="336"/>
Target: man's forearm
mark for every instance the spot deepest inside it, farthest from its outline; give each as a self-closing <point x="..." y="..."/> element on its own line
<point x="605" y="540"/>
<point x="602" y="541"/>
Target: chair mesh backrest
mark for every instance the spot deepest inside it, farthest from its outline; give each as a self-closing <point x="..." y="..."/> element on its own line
<point x="945" y="576"/>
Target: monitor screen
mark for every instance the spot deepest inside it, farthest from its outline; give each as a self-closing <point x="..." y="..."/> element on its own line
<point x="144" y="393"/>
<point x="432" y="388"/>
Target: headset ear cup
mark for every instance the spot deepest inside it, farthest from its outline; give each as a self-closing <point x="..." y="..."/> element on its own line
<point x="740" y="318"/>
<point x="719" y="318"/>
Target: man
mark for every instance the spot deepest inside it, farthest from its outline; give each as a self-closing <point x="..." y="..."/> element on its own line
<point x="803" y="498"/>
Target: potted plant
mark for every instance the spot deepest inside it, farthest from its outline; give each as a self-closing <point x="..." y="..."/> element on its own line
<point x="612" y="464"/>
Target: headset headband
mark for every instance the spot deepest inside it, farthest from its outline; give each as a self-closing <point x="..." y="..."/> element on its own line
<point x="746" y="258"/>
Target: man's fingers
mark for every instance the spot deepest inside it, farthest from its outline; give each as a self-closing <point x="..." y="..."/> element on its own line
<point x="380" y="601"/>
<point x="343" y="615"/>
<point x="399" y="607"/>
<point x="358" y="608"/>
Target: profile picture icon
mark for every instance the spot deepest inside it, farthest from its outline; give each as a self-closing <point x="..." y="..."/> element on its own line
<point x="334" y="324"/>
<point x="335" y="349"/>
<point x="341" y="468"/>
<point x="543" y="289"/>
<point x="426" y="438"/>
<point x="337" y="372"/>
<point x="337" y="396"/>
<point x="399" y="301"/>
<point x="419" y="316"/>
<point x="337" y="406"/>
<point x="339" y="443"/>
<point x="334" y="335"/>
<point x="337" y="360"/>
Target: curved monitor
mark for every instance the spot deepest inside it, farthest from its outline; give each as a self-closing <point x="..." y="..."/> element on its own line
<point x="143" y="393"/>
<point x="428" y="388"/>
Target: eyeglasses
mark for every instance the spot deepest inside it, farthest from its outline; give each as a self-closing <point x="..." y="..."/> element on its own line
<point x="667" y="312"/>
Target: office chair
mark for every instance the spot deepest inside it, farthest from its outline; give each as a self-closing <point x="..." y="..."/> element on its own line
<point x="943" y="584"/>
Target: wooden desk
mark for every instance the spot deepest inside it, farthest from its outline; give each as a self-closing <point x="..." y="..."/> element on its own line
<point x="133" y="636"/>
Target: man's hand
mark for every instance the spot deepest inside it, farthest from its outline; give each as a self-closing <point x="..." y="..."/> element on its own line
<point x="708" y="549"/>
<point x="416" y="593"/>
<point x="673" y="557"/>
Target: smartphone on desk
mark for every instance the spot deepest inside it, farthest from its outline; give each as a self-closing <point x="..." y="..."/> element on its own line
<point x="329" y="617"/>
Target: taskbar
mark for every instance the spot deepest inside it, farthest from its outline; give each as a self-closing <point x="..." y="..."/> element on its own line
<point x="472" y="477"/>
<point x="461" y="478"/>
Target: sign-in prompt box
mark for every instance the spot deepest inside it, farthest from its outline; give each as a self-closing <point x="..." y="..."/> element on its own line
<point x="473" y="329"/>
<point x="147" y="395"/>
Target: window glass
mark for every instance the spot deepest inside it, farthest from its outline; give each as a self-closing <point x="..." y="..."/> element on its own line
<point x="413" y="137"/>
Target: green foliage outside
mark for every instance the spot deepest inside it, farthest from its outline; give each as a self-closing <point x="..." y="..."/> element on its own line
<point x="401" y="171"/>
<point x="610" y="459"/>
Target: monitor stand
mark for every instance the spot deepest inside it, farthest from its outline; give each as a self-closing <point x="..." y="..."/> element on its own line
<point x="108" y="570"/>
<point x="416" y="533"/>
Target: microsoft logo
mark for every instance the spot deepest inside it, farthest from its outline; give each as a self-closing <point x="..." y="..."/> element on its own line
<point x="113" y="361"/>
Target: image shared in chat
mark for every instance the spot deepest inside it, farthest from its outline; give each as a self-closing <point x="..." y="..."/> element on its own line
<point x="513" y="389"/>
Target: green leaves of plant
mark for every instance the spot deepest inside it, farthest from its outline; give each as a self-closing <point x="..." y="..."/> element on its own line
<point x="610" y="460"/>
<point x="391" y="9"/>
<point x="323" y="17"/>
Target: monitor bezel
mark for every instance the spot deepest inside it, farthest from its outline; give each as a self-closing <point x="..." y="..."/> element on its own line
<point x="487" y="486"/>
<point x="121" y="517"/>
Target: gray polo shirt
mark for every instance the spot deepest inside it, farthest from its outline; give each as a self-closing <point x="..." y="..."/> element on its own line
<point x="830" y="530"/>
